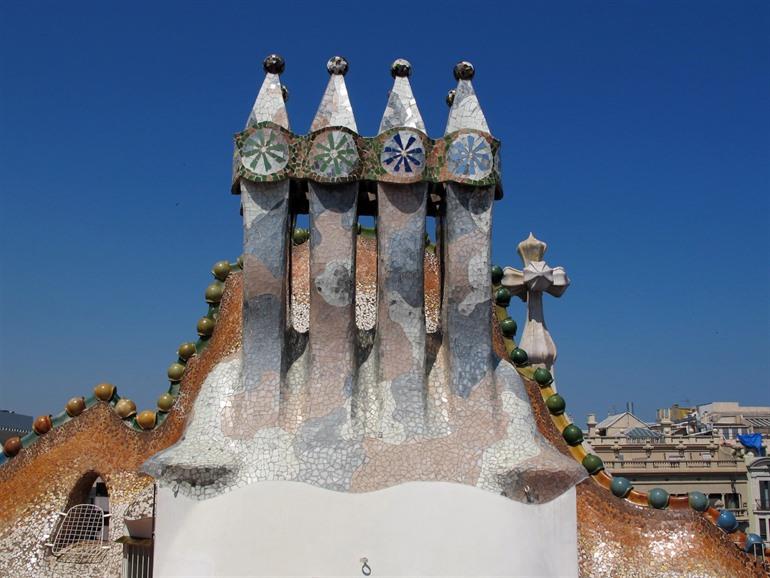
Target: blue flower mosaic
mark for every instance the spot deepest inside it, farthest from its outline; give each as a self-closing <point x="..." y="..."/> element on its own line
<point x="403" y="153"/>
<point x="334" y="154"/>
<point x="470" y="156"/>
<point x="265" y="152"/>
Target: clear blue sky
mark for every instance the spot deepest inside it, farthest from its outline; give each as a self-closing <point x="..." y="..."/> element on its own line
<point x="636" y="142"/>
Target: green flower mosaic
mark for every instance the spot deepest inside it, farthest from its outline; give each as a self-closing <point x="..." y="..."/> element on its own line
<point x="334" y="154"/>
<point x="265" y="152"/>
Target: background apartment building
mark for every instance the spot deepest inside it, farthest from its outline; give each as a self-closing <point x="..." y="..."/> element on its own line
<point x="693" y="448"/>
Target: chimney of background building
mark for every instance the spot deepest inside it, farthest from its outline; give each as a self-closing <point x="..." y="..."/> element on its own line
<point x="591" y="422"/>
<point x="665" y="423"/>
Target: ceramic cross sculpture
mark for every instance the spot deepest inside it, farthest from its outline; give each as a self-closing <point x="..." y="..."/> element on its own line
<point x="536" y="278"/>
<point x="356" y="396"/>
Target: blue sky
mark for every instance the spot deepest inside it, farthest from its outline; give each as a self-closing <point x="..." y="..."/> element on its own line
<point x="636" y="142"/>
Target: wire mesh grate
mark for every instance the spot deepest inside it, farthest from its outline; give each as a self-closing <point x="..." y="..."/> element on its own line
<point x="81" y="527"/>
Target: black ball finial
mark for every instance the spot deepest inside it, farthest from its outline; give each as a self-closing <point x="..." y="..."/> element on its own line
<point x="274" y="64"/>
<point x="337" y="65"/>
<point x="464" y="70"/>
<point x="284" y="92"/>
<point x="401" y="68"/>
<point x="450" y="97"/>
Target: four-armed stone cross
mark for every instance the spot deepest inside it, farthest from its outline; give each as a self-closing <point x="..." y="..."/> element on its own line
<point x="529" y="284"/>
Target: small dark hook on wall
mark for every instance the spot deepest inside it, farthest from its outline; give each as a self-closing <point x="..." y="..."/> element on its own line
<point x="365" y="569"/>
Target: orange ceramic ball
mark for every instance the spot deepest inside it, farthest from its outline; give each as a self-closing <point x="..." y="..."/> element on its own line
<point x="146" y="419"/>
<point x="104" y="391"/>
<point x="125" y="408"/>
<point x="166" y="402"/>
<point x="42" y="424"/>
<point x="12" y="446"/>
<point x="75" y="406"/>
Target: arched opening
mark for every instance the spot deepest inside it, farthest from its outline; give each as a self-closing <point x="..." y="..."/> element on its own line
<point x="91" y="489"/>
<point x="83" y="527"/>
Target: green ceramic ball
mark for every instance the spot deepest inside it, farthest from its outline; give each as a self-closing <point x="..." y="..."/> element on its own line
<point x="186" y="351"/>
<point x="206" y="326"/>
<point x="556" y="404"/>
<point x="543" y="377"/>
<point x="300" y="235"/>
<point x="508" y="327"/>
<point x="657" y="498"/>
<point x="698" y="501"/>
<point x="497" y="274"/>
<point x="519" y="356"/>
<point x="593" y="464"/>
<point x="221" y="270"/>
<point x="175" y="372"/>
<point x="620" y="486"/>
<point x="572" y="435"/>
<point x="214" y="292"/>
<point x="503" y="297"/>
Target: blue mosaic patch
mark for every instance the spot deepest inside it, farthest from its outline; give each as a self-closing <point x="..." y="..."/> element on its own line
<point x="403" y="153"/>
<point x="470" y="156"/>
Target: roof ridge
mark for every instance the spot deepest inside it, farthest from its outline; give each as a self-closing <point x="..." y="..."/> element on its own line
<point x="124" y="407"/>
<point x="620" y="487"/>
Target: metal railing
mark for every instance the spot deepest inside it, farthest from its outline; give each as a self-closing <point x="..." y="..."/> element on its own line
<point x="137" y="558"/>
<point x="672" y="464"/>
<point x="739" y="512"/>
<point x="624" y="441"/>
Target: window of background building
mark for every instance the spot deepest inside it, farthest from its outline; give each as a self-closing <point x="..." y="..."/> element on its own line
<point x="732" y="501"/>
<point x="763" y="528"/>
<point x="764" y="495"/>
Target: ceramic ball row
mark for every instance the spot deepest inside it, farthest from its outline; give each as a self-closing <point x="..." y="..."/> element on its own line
<point x="124" y="407"/>
<point x="555" y="403"/>
<point x="657" y="498"/>
<point x="508" y="326"/>
<point x="206" y="324"/>
<point x="147" y="419"/>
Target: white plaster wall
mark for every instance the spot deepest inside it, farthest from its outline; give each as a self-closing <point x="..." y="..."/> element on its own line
<point x="414" y="529"/>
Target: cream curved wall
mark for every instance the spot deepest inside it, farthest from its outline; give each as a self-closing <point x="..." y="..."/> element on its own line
<point x="413" y="529"/>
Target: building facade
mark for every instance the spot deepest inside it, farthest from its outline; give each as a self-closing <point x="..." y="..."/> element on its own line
<point x="13" y="424"/>
<point x="693" y="449"/>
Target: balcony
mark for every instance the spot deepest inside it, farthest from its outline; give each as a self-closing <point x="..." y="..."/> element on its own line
<point x="673" y="465"/>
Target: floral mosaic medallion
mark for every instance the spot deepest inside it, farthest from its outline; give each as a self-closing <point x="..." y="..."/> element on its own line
<point x="265" y="152"/>
<point x="403" y="153"/>
<point x="470" y="157"/>
<point x="334" y="154"/>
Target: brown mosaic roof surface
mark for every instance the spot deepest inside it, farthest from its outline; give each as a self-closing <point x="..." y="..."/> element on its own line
<point x="615" y="538"/>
